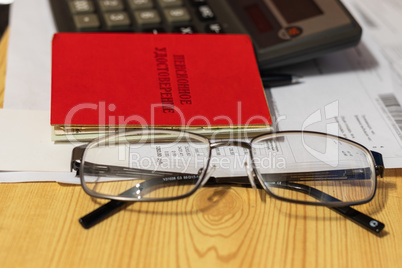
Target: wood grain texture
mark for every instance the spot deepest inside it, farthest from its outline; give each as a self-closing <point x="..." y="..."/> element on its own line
<point x="216" y="227"/>
<point x="3" y="64"/>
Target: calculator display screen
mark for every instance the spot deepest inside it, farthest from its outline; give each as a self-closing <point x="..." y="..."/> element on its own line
<point x="258" y="18"/>
<point x="297" y="10"/>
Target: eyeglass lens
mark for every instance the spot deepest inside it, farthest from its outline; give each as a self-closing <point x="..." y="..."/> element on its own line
<point x="297" y="166"/>
<point x="154" y="166"/>
<point x="313" y="167"/>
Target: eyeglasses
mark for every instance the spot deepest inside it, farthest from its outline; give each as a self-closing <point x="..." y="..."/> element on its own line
<point x="161" y="165"/>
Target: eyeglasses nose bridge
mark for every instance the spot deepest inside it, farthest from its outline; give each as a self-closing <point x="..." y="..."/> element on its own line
<point x="242" y="144"/>
<point x="251" y="175"/>
<point x="208" y="175"/>
<point x="250" y="172"/>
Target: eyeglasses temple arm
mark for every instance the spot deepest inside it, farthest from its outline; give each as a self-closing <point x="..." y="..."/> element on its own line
<point x="106" y="170"/>
<point x="347" y="211"/>
<point x="114" y="206"/>
<point x="379" y="163"/>
<point x="103" y="212"/>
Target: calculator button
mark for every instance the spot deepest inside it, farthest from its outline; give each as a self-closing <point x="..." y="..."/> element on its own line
<point x="117" y="20"/>
<point x="176" y="15"/>
<point x="205" y="12"/>
<point x="141" y="4"/>
<point x="283" y="34"/>
<point x="86" y="22"/>
<point x="81" y="6"/>
<point x="169" y="3"/>
<point x="184" y="30"/>
<point x="198" y="2"/>
<point x="147" y="18"/>
<point x="111" y="5"/>
<point x="294" y="31"/>
<point x="214" y="28"/>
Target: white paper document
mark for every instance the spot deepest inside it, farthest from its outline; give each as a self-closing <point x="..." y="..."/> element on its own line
<point x="347" y="94"/>
<point x="37" y="176"/>
<point x="382" y="19"/>
<point x="26" y="146"/>
<point x="355" y="93"/>
<point x="28" y="80"/>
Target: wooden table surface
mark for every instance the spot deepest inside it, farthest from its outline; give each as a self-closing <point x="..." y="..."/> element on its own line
<point x="3" y="61"/>
<point x="216" y="227"/>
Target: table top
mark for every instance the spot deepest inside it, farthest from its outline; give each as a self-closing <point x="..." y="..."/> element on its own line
<point x="216" y="227"/>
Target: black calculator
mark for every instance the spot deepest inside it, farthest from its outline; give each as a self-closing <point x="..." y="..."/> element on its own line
<point x="283" y="31"/>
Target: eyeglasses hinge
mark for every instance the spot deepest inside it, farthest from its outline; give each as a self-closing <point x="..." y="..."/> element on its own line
<point x="379" y="163"/>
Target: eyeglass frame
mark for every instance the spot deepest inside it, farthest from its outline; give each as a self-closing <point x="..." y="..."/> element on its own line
<point x="118" y="202"/>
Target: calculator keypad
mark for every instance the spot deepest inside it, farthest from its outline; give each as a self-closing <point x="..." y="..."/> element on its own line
<point x="140" y="4"/>
<point x="81" y="6"/>
<point x="179" y="16"/>
<point x="110" y="5"/>
<point x="118" y="19"/>
<point x="176" y="15"/>
<point x="86" y="22"/>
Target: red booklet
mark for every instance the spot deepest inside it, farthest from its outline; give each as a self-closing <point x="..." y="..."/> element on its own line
<point x="156" y="80"/>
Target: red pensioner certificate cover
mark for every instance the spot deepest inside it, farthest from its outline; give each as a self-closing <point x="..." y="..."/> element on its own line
<point x="156" y="80"/>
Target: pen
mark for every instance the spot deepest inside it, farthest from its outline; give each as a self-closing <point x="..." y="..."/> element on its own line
<point x="277" y="80"/>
